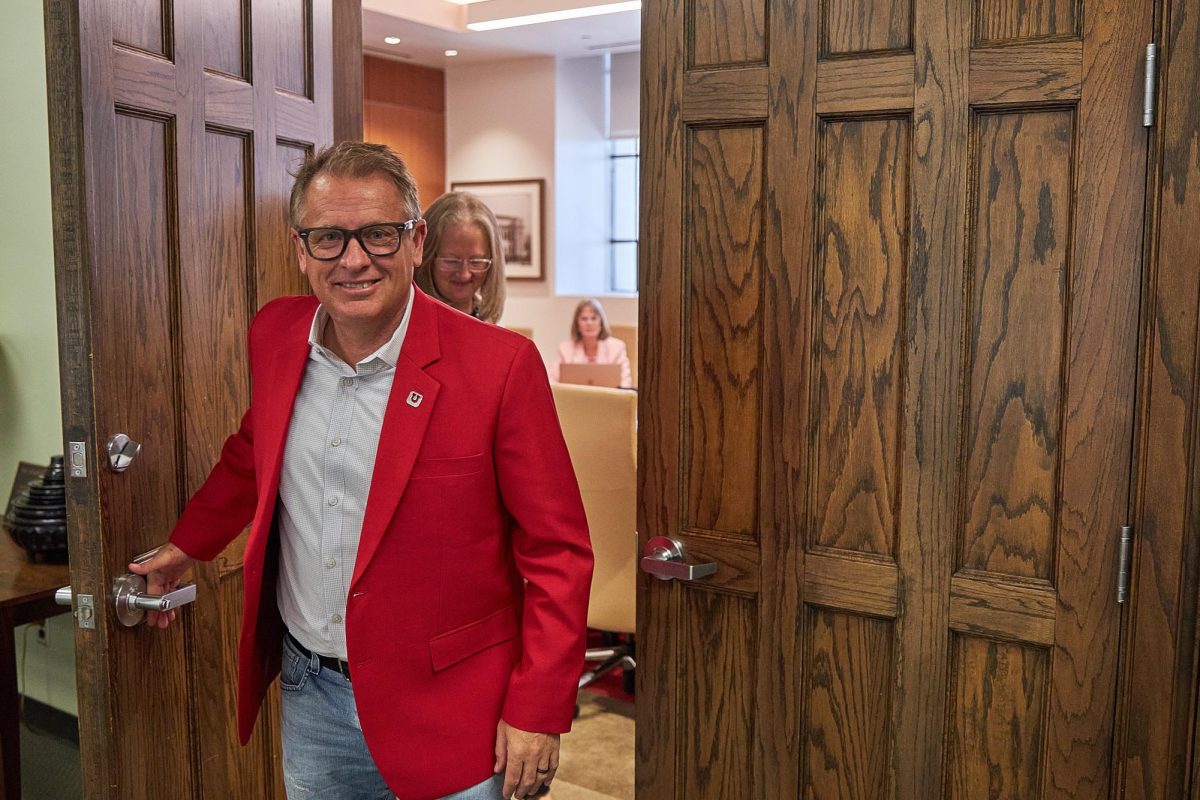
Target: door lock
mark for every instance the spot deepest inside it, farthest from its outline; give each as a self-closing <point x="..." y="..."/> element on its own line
<point x="121" y="452"/>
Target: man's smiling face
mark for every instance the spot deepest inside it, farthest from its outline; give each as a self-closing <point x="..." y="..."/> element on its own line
<point x="360" y="291"/>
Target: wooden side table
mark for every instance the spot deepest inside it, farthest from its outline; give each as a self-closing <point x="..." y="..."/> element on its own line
<point x="26" y="595"/>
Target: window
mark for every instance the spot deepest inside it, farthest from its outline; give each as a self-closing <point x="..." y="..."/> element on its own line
<point x="623" y="258"/>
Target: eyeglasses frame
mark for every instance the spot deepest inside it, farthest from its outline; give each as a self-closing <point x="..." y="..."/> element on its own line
<point x="459" y="264"/>
<point x="356" y="234"/>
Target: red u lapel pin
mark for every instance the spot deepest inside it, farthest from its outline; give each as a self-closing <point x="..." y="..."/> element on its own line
<point x="415" y="398"/>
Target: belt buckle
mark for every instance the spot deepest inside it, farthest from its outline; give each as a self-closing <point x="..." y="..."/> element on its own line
<point x="343" y="668"/>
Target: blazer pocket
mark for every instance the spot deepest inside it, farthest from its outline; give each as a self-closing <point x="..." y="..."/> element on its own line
<point x="449" y="648"/>
<point x="447" y="467"/>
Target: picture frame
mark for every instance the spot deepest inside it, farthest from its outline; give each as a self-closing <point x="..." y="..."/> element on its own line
<point x="519" y="206"/>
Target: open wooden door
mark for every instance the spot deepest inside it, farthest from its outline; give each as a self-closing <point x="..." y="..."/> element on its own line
<point x="173" y="127"/>
<point x="891" y="258"/>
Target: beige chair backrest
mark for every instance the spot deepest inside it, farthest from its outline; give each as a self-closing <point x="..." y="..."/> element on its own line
<point x="526" y="332"/>
<point x="600" y="426"/>
<point x="629" y="335"/>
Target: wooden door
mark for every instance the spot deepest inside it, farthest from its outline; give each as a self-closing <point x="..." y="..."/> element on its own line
<point x="890" y="275"/>
<point x="1161" y="658"/>
<point x="173" y="127"/>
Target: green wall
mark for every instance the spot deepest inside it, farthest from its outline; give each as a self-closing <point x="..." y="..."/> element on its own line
<point x="30" y="418"/>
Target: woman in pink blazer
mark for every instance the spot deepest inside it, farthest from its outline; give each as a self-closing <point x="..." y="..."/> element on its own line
<point x="592" y="342"/>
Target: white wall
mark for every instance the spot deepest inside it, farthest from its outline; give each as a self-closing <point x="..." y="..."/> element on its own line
<point x="501" y="124"/>
<point x="29" y="397"/>
<point x="582" y="199"/>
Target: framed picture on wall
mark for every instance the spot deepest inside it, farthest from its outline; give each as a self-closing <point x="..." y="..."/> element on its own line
<point x="518" y="206"/>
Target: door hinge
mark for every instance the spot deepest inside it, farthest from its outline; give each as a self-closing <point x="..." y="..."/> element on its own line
<point x="1123" y="563"/>
<point x="1151" y="83"/>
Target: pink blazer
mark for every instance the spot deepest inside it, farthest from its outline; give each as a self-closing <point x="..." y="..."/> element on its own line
<point x="469" y="596"/>
<point x="608" y="351"/>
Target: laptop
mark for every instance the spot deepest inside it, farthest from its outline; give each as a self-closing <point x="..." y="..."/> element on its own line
<point x="591" y="374"/>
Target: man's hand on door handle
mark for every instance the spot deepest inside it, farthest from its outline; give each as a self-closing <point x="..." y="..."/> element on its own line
<point x="163" y="572"/>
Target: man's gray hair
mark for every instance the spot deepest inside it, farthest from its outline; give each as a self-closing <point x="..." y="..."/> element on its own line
<point x="355" y="160"/>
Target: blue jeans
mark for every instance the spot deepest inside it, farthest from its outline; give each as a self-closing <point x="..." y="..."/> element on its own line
<point x="324" y="754"/>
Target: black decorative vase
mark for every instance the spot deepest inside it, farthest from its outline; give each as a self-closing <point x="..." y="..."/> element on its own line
<point x="37" y="517"/>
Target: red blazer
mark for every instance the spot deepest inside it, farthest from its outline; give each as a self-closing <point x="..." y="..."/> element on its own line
<point x="468" y="601"/>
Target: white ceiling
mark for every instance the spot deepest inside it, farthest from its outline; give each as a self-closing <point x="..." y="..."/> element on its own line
<point x="427" y="28"/>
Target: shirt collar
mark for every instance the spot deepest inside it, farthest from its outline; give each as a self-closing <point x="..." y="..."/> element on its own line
<point x="388" y="354"/>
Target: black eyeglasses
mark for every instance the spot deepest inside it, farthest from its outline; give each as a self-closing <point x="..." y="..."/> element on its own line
<point x="380" y="239"/>
<point x="476" y="265"/>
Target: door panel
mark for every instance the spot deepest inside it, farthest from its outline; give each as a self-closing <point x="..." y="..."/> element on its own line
<point x="892" y="347"/>
<point x="172" y="142"/>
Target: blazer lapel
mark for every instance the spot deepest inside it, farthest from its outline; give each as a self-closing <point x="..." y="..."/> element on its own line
<point x="409" y="409"/>
<point x="275" y="397"/>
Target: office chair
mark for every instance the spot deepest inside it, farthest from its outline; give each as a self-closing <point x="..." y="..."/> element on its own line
<point x="600" y="427"/>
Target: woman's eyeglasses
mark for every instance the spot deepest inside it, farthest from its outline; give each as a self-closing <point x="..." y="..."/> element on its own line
<point x="475" y="265"/>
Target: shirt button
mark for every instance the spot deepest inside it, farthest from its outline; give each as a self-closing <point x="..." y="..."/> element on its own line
<point x="336" y="442"/>
<point x="329" y="562"/>
<point x="347" y="382"/>
<point x="333" y="501"/>
<point x="336" y="618"/>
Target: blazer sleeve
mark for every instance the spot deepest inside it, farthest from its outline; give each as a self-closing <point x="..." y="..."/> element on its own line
<point x="551" y="549"/>
<point x="224" y="505"/>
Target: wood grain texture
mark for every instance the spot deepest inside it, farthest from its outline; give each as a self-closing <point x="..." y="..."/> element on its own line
<point x="863" y="251"/>
<point x="137" y="379"/>
<point x="1101" y="359"/>
<point x="660" y="399"/>
<point x="835" y="581"/>
<point x="862" y="26"/>
<point x="739" y="562"/>
<point x="277" y="270"/>
<point x="724" y="324"/>
<point x="725" y="94"/>
<point x="228" y="102"/>
<point x="1157" y="736"/>
<point x="1001" y="609"/>
<point x="80" y="56"/>
<point x="848" y="674"/>
<point x="934" y="323"/>
<point x="998" y="731"/>
<point x="142" y="181"/>
<point x="293" y="64"/>
<point x="1034" y="73"/>
<point x="865" y="85"/>
<point x="226" y="37"/>
<point x="1022" y="20"/>
<point x="143" y="24"/>
<point x="1021" y="236"/>
<point x="344" y="55"/>
<point x="405" y="108"/>
<point x="725" y="33"/>
<point x="144" y="81"/>
<point x="788" y="272"/>
<point x="717" y="695"/>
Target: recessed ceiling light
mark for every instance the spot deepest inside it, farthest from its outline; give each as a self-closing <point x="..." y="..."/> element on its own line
<point x="451" y="53"/>
<point x="391" y="39"/>
<point x="554" y="16"/>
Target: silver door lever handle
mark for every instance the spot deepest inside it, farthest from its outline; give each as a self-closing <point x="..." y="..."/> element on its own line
<point x="130" y="596"/>
<point x="664" y="559"/>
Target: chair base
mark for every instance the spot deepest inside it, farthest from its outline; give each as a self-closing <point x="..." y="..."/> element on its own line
<point x="616" y="655"/>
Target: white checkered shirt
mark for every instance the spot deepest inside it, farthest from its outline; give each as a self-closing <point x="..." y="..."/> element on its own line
<point x="327" y="467"/>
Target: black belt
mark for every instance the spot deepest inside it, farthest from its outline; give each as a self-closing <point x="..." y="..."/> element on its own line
<point x="328" y="662"/>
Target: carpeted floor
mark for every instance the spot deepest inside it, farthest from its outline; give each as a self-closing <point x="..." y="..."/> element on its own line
<point x="596" y="762"/>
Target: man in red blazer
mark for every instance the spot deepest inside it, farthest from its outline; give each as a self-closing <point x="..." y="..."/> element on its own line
<point x="418" y="562"/>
